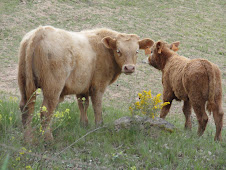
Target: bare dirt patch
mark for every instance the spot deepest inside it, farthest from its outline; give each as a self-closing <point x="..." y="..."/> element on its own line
<point x="8" y="79"/>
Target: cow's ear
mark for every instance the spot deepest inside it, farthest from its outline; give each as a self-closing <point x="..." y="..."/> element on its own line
<point x="109" y="42"/>
<point x="174" y="46"/>
<point x="159" y="46"/>
<point x="145" y="43"/>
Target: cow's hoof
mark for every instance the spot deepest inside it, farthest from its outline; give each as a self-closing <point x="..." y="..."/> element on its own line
<point x="28" y="136"/>
<point x="48" y="137"/>
<point x="99" y="124"/>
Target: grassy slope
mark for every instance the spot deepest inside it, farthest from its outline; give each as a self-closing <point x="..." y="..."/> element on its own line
<point x="198" y="25"/>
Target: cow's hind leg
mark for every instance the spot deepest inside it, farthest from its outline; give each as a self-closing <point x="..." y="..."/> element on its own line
<point x="48" y="106"/>
<point x="187" y="114"/>
<point x="50" y="102"/>
<point x="27" y="114"/>
<point x="199" y="108"/>
<point x="218" y="119"/>
<point x="83" y="103"/>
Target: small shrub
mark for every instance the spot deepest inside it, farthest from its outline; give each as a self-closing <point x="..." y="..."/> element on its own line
<point x="147" y="105"/>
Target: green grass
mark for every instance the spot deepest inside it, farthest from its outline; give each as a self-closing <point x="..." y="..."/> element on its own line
<point x="105" y="148"/>
<point x="198" y="25"/>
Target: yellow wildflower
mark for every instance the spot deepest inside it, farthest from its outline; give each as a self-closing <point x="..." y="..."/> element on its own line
<point x="67" y="110"/>
<point x="28" y="167"/>
<point x="133" y="168"/>
<point x="42" y="131"/>
<point x="44" y="109"/>
<point x="38" y="91"/>
<point x="18" y="159"/>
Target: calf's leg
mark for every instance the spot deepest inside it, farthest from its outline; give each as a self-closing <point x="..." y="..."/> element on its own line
<point x="187" y="114"/>
<point x="199" y="108"/>
<point x="168" y="96"/>
<point x="83" y="104"/>
<point x="218" y="119"/>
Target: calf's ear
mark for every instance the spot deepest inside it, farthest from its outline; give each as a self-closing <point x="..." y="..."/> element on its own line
<point x="159" y="46"/>
<point x="109" y="42"/>
<point x="174" y="46"/>
<point x="145" y="43"/>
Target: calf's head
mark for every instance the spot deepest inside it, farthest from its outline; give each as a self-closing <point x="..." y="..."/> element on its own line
<point x="160" y="52"/>
<point x="125" y="48"/>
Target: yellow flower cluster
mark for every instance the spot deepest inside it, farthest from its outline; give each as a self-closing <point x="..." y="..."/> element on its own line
<point x="43" y="109"/>
<point x="41" y="130"/>
<point x="60" y="116"/>
<point x="13" y="99"/>
<point x="147" y="105"/>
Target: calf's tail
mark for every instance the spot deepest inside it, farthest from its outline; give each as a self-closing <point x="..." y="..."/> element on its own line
<point x="211" y="77"/>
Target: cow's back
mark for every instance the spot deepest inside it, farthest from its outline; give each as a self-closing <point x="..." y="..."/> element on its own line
<point x="65" y="56"/>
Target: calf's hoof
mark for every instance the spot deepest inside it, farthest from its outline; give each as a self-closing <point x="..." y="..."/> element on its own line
<point x="84" y="123"/>
<point x="188" y="127"/>
<point x="218" y="138"/>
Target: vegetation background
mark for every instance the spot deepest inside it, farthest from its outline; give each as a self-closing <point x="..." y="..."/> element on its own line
<point x="199" y="25"/>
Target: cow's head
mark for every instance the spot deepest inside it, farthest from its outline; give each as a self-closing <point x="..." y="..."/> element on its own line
<point x="160" y="52"/>
<point x="125" y="48"/>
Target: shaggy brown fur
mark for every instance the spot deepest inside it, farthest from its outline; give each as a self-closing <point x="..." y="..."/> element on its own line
<point x="63" y="63"/>
<point x="194" y="81"/>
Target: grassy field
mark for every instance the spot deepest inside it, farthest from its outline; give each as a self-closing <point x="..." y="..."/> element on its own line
<point x="198" y="25"/>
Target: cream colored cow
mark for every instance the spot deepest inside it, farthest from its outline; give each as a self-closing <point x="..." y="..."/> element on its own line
<point x="63" y="63"/>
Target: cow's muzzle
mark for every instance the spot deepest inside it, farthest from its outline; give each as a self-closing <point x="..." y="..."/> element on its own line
<point x="128" y="68"/>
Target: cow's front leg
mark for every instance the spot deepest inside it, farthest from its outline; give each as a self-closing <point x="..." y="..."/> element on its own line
<point x="96" y="98"/>
<point x="83" y="104"/>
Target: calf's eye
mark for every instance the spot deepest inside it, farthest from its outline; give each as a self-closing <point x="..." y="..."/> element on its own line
<point x="137" y="51"/>
<point x="118" y="51"/>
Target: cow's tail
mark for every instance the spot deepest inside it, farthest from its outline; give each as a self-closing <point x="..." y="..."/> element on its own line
<point x="32" y="44"/>
<point x="22" y="73"/>
<point x="211" y="77"/>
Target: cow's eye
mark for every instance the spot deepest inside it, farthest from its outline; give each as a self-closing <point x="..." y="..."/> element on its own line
<point x="118" y="51"/>
<point x="137" y="51"/>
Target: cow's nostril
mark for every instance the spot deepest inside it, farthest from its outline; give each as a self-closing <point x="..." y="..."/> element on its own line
<point x="126" y="68"/>
<point x="129" y="68"/>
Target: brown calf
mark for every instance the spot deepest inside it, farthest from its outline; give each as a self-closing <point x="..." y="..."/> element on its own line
<point x="63" y="63"/>
<point x="194" y="81"/>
